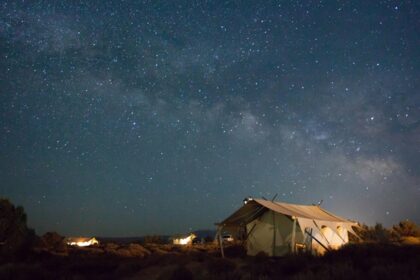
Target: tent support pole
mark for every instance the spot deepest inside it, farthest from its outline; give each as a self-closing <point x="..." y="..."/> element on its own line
<point x="219" y="233"/>
<point x="294" y="235"/>
<point x="320" y="231"/>
<point x="339" y="235"/>
<point x="319" y="242"/>
<point x="250" y="231"/>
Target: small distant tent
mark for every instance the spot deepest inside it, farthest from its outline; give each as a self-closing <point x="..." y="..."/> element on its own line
<point x="82" y="241"/>
<point x="183" y="239"/>
<point x="276" y="228"/>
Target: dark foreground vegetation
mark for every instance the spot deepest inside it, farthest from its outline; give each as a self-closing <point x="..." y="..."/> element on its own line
<point x="384" y="254"/>
<point x="358" y="261"/>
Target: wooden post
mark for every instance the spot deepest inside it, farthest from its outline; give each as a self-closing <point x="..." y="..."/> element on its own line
<point x="294" y="235"/>
<point x="221" y="242"/>
<point x="274" y="233"/>
<point x="311" y="240"/>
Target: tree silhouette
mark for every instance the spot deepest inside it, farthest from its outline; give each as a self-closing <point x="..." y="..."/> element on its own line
<point x="15" y="237"/>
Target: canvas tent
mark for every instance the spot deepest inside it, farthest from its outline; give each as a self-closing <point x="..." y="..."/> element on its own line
<point x="279" y="228"/>
<point x="183" y="239"/>
<point x="81" y="241"/>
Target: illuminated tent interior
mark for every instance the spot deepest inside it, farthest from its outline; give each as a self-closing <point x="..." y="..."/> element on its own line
<point x="82" y="241"/>
<point x="184" y="239"/>
<point x="277" y="228"/>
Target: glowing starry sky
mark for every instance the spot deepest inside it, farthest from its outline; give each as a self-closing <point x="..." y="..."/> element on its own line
<point x="124" y="118"/>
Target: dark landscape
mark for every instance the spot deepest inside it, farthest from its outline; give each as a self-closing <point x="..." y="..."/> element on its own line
<point x="381" y="254"/>
<point x="385" y="261"/>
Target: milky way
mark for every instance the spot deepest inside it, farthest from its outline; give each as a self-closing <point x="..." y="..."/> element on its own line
<point x="125" y="118"/>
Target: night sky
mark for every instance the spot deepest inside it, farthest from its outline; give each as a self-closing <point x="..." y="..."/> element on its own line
<point x="125" y="118"/>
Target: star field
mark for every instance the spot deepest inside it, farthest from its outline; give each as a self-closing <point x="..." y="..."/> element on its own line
<point x="120" y="118"/>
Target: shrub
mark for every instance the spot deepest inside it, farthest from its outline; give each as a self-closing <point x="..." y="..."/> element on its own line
<point x="17" y="271"/>
<point x="54" y="242"/>
<point x="406" y="228"/>
<point x="235" y="251"/>
<point x="220" y="266"/>
<point x="376" y="233"/>
<point x="127" y="268"/>
<point x="343" y="271"/>
<point x="180" y="272"/>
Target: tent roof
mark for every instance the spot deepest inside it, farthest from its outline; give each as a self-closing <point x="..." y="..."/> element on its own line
<point x="256" y="207"/>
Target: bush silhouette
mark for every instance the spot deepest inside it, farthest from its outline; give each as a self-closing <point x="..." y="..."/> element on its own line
<point x="16" y="238"/>
<point x="376" y="233"/>
<point x="180" y="272"/>
<point x="54" y="242"/>
<point x="406" y="228"/>
<point x="380" y="234"/>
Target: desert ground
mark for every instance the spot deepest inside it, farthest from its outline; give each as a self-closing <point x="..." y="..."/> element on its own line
<point x="203" y="261"/>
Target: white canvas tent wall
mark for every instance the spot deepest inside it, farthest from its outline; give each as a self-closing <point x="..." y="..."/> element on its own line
<point x="278" y="228"/>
